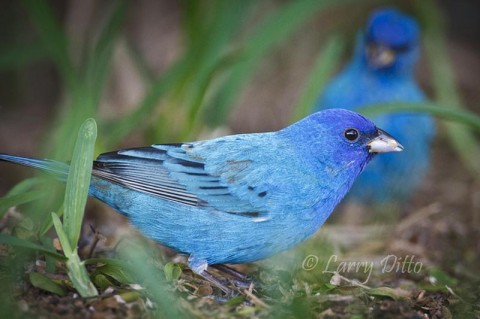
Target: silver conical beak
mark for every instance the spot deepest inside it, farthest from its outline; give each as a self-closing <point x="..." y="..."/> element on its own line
<point x="380" y="56"/>
<point x="384" y="143"/>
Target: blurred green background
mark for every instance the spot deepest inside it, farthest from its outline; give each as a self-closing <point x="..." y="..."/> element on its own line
<point x="162" y="71"/>
<point x="167" y="71"/>
<point x="158" y="71"/>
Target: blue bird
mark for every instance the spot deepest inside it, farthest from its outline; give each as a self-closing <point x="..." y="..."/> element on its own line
<point x="381" y="71"/>
<point x="239" y="198"/>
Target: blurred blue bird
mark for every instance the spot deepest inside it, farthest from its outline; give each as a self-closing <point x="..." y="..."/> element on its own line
<point x="238" y="198"/>
<point x="382" y="71"/>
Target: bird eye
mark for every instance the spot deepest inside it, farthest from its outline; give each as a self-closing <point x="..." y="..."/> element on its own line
<point x="401" y="48"/>
<point x="351" y="134"/>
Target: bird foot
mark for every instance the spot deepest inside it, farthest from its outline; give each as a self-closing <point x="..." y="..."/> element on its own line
<point x="237" y="279"/>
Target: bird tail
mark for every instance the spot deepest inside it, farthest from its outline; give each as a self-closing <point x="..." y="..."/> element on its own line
<point x="57" y="169"/>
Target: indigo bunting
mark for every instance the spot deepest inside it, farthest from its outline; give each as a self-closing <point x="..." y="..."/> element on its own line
<point x="381" y="71"/>
<point x="237" y="198"/>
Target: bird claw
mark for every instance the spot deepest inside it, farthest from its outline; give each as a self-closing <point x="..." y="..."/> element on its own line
<point x="239" y="280"/>
<point x="217" y="283"/>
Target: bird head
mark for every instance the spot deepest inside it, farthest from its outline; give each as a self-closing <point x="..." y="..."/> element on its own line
<point x="342" y="140"/>
<point x="390" y="41"/>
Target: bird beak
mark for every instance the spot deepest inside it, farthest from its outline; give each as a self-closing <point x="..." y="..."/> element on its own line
<point x="383" y="143"/>
<point x="380" y="56"/>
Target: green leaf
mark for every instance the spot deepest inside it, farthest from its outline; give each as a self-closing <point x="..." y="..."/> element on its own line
<point x="235" y="301"/>
<point x="172" y="271"/>
<point x="461" y="117"/>
<point x="78" y="181"/>
<point x="445" y="86"/>
<point x="394" y="294"/>
<point x="100" y="59"/>
<point x="116" y="271"/>
<point x="24" y="229"/>
<point x="443" y="278"/>
<point x="139" y="255"/>
<point x="101" y="281"/>
<point x="26" y="185"/>
<point x="18" y="199"/>
<point x="40" y="281"/>
<point x="207" y="50"/>
<point x="22" y="243"/>
<point x="50" y="261"/>
<point x="22" y="194"/>
<point x="272" y="30"/>
<point x="62" y="236"/>
<point x="48" y="222"/>
<point x="120" y="128"/>
<point x="53" y="38"/>
<point x="17" y="57"/>
<point x="77" y="272"/>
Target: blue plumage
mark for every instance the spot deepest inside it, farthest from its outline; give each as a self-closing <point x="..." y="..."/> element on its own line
<point x="239" y="198"/>
<point x="381" y="71"/>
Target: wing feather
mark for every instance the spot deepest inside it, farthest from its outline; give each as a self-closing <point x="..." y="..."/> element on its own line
<point x="175" y="172"/>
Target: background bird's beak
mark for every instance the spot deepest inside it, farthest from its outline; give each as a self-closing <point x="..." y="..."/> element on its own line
<point x="384" y="143"/>
<point x="380" y="56"/>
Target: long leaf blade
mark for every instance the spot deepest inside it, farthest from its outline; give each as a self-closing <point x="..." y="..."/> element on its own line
<point x="441" y="111"/>
<point x="18" y="199"/>
<point x="462" y="140"/>
<point x="53" y="38"/>
<point x="23" y="243"/>
<point x="78" y="181"/>
<point x="273" y="29"/>
<point x="77" y="272"/>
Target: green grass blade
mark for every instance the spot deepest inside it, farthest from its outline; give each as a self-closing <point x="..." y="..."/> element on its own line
<point x="43" y="282"/>
<point x="77" y="272"/>
<point x="86" y="94"/>
<point x="228" y="18"/>
<point x="192" y="19"/>
<point x="53" y="38"/>
<point x="22" y="193"/>
<point x="21" y="55"/>
<point x="143" y="265"/>
<point x="62" y="236"/>
<point x="13" y="200"/>
<point x="463" y="118"/>
<point x="50" y="261"/>
<point x="135" y="119"/>
<point x="26" y="185"/>
<point x="325" y="65"/>
<point x="463" y="141"/>
<point x="23" y="243"/>
<point x="139" y="61"/>
<point x="78" y="181"/>
<point x="196" y="103"/>
<point x="273" y="29"/>
<point x="48" y="223"/>
<point x="99" y="61"/>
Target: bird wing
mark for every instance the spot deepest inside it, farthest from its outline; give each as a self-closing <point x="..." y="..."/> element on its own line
<point x="215" y="173"/>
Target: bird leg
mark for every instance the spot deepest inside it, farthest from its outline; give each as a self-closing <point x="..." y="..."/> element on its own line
<point x="239" y="279"/>
<point x="216" y="282"/>
<point x="199" y="266"/>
